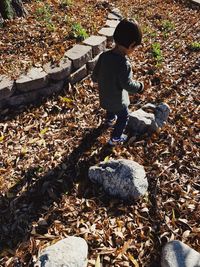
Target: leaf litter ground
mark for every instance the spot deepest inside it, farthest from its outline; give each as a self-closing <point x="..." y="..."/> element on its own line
<point x="46" y="151"/>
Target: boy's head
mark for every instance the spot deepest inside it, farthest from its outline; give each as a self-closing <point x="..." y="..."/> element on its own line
<point x="128" y="33"/>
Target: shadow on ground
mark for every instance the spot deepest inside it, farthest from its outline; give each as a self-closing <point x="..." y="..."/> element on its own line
<point x="29" y="199"/>
<point x="35" y="195"/>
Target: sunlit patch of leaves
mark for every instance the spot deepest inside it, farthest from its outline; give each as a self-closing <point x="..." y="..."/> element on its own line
<point x="45" y="33"/>
<point x="43" y="148"/>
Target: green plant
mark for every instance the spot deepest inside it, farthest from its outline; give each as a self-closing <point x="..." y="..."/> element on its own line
<point x="157" y="53"/>
<point x="167" y="26"/>
<point x="149" y="31"/>
<point x="7" y="11"/>
<point x="44" y="14"/>
<point x="78" y="32"/>
<point x="65" y="3"/>
<point x="136" y="17"/>
<point x="194" y="46"/>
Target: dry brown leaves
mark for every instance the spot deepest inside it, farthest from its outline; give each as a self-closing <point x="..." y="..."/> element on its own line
<point x="46" y="151"/>
<point x="45" y="34"/>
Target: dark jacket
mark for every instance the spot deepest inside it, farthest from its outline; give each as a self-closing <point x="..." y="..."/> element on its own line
<point x="114" y="77"/>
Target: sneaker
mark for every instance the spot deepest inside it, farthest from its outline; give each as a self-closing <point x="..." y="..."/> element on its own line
<point x="118" y="140"/>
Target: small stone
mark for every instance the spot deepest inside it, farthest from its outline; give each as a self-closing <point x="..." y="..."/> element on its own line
<point x="112" y="23"/>
<point x="6" y="87"/>
<point x="59" y="72"/>
<point x="98" y="43"/>
<point x="36" y="78"/>
<point x="69" y="252"/>
<point x="79" y="55"/>
<point x="177" y="254"/>
<point x="78" y="75"/>
<point x="108" y="32"/>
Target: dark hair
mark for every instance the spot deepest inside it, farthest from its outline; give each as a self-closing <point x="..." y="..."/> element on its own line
<point x="127" y="32"/>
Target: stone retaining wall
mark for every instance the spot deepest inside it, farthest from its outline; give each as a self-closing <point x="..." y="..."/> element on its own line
<point x="75" y="65"/>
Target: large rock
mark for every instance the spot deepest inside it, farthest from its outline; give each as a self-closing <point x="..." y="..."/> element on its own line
<point x="178" y="254"/>
<point x="148" y="119"/>
<point x="69" y="252"/>
<point x="120" y="178"/>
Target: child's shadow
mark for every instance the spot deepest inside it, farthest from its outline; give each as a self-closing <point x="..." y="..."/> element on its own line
<point x="35" y="195"/>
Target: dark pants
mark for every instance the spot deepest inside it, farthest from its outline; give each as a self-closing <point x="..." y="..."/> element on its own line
<point x="122" y="120"/>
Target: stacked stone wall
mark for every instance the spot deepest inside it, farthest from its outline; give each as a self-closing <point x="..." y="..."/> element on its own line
<point x="76" y="64"/>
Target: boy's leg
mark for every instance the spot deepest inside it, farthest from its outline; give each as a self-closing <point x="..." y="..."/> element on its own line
<point x="122" y="120"/>
<point x="110" y="116"/>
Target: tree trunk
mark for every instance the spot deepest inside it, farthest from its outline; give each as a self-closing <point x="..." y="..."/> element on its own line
<point x="1" y="20"/>
<point x="12" y="8"/>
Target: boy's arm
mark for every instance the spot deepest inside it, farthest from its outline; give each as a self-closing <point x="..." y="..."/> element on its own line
<point x="126" y="81"/>
<point x="96" y="70"/>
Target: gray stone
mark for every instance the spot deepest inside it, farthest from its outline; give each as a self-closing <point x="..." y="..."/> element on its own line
<point x="112" y="23"/>
<point x="177" y="254"/>
<point x="79" y="55"/>
<point x="69" y="252"/>
<point x="114" y="16"/>
<point x="52" y="89"/>
<point x="6" y="87"/>
<point x="91" y="63"/>
<point x="23" y="99"/>
<point x="60" y="71"/>
<point x="78" y="75"/>
<point x="116" y="11"/>
<point x="108" y="32"/>
<point x="35" y="95"/>
<point x="196" y="2"/>
<point x="98" y="44"/>
<point x="148" y="119"/>
<point x="36" y="78"/>
<point x="121" y="178"/>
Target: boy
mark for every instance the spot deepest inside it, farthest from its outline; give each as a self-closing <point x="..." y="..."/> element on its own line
<point x="114" y="77"/>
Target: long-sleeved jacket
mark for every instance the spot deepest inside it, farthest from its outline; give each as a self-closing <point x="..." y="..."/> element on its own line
<point x="114" y="77"/>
